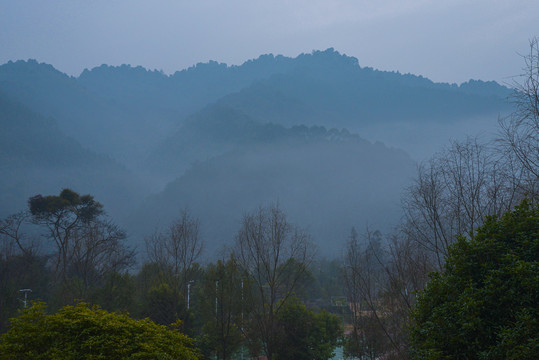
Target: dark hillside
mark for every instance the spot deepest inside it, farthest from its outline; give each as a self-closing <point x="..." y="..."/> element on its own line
<point x="327" y="180"/>
<point x="126" y="111"/>
<point x="97" y="123"/>
<point x="36" y="157"/>
<point x="331" y="89"/>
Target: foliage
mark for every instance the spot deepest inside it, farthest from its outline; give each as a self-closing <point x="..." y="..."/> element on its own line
<point x="221" y="307"/>
<point x="367" y="339"/>
<point x="486" y="302"/>
<point x="67" y="209"/>
<point x="16" y="272"/>
<point x="117" y="292"/>
<point x="164" y="304"/>
<point x="88" y="246"/>
<point x="380" y="283"/>
<point x="275" y="256"/>
<point x="327" y="280"/>
<point x="305" y="334"/>
<point x="83" y="332"/>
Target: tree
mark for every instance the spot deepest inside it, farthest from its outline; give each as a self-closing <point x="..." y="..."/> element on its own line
<point x="305" y="334"/>
<point x="88" y="246"/>
<point x="176" y="250"/>
<point x="222" y="308"/>
<point x="63" y="215"/>
<point x="265" y="244"/>
<point x="12" y="235"/>
<point x="485" y="302"/>
<point x="381" y="282"/>
<point x="98" y="250"/>
<point x="520" y="131"/>
<point x="83" y="332"/>
<point x="116" y="293"/>
<point x="157" y="299"/>
<point x="164" y="305"/>
<point x="454" y="191"/>
<point x="21" y="266"/>
<point x="18" y="272"/>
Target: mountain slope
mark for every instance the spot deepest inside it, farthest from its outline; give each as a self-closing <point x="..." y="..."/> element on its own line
<point x="127" y="111"/>
<point x="36" y="157"/>
<point x="185" y="91"/>
<point x="406" y="111"/>
<point x="327" y="181"/>
<point x="96" y="122"/>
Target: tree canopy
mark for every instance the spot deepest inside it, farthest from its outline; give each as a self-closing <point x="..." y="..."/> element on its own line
<point x="84" y="332"/>
<point x="68" y="204"/>
<point x="486" y="302"/>
<point x="305" y="334"/>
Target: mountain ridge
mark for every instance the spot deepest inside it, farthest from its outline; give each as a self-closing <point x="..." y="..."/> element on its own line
<point x="222" y="139"/>
<point x="36" y="157"/>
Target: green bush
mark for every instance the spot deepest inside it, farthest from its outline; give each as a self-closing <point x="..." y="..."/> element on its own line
<point x="84" y="332"/>
<point x="485" y="305"/>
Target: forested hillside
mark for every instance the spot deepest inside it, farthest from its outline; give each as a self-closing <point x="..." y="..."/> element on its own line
<point x="309" y="123"/>
<point x="251" y="208"/>
<point x="37" y="157"/>
<point x="325" y="179"/>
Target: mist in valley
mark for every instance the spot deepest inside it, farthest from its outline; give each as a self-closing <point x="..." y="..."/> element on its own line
<point x="333" y="143"/>
<point x="289" y="179"/>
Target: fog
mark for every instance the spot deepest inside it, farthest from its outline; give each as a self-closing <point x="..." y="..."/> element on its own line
<point x="332" y="142"/>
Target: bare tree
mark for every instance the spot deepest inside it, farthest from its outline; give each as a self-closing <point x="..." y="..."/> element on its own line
<point x="98" y="249"/>
<point x="426" y="211"/>
<point x="176" y="250"/>
<point x="520" y="131"/>
<point x="378" y="297"/>
<point x="11" y="232"/>
<point x="274" y="255"/>
<point x="381" y="282"/>
<point x="362" y="341"/>
<point x="453" y="193"/>
<point x="406" y="271"/>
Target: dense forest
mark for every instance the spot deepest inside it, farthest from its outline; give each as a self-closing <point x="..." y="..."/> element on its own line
<point x="242" y="212"/>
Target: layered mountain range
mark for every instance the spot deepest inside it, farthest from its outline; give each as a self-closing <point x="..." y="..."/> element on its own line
<point x="221" y="140"/>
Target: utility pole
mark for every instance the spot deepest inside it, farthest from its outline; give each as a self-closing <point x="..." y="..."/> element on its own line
<point x="242" y="334"/>
<point x="189" y="292"/>
<point x="216" y="291"/>
<point x="25" y="292"/>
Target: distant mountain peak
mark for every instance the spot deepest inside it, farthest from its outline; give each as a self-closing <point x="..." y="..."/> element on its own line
<point x="29" y="67"/>
<point x="124" y="70"/>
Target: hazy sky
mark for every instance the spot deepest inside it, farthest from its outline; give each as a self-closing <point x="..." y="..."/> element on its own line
<point x="445" y="40"/>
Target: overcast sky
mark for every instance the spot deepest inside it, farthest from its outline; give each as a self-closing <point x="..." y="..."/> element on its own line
<point x="445" y="40"/>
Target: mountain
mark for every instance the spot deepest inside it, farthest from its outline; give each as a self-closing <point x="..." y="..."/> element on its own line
<point x="96" y="122"/>
<point x="36" y="157"/>
<point x="321" y="88"/>
<point x="126" y="112"/>
<point x="49" y="92"/>
<point x="222" y="140"/>
<point x="403" y="110"/>
<point x="326" y="180"/>
<point x="183" y="92"/>
<point x="324" y="86"/>
<point x="213" y="131"/>
<point x="346" y="95"/>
